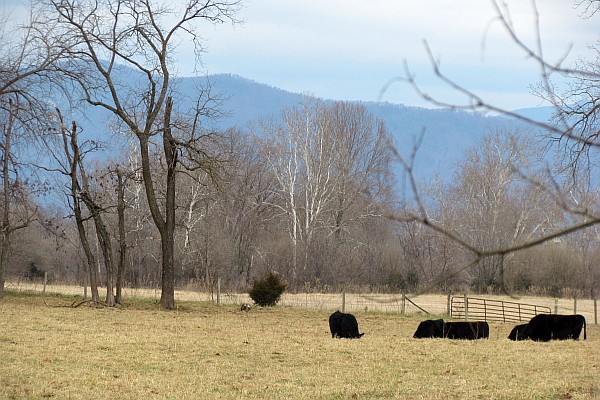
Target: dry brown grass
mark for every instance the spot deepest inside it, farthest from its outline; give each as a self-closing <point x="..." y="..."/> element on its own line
<point x="202" y="351"/>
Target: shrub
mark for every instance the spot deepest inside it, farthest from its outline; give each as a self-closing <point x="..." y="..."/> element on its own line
<point x="268" y="290"/>
<point x="34" y="272"/>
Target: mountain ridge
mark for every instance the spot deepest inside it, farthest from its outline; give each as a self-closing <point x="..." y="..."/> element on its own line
<point x="446" y="134"/>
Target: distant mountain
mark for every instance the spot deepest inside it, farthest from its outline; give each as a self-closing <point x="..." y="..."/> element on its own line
<point x="246" y="100"/>
<point x="540" y="114"/>
<point x="447" y="134"/>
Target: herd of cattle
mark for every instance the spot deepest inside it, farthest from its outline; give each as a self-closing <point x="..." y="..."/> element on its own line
<point x="541" y="328"/>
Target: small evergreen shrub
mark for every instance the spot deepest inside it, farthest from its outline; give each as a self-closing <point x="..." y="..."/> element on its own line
<point x="268" y="290"/>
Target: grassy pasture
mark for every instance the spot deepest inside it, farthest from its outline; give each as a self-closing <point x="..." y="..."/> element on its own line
<point x="202" y="351"/>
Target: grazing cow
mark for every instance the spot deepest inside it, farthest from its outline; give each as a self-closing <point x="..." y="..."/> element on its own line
<point x="546" y="327"/>
<point x="335" y="321"/>
<point x="517" y="331"/>
<point x="431" y="328"/>
<point x="343" y="325"/>
<point x="467" y="330"/>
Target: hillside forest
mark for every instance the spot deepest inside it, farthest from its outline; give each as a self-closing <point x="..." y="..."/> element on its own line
<point x="323" y="194"/>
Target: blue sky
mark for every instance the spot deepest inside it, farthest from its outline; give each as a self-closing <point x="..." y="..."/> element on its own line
<point x="349" y="49"/>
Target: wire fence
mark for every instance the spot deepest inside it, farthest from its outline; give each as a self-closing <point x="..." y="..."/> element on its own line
<point x="426" y="304"/>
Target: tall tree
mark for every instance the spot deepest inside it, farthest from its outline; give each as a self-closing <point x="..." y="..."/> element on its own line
<point x="490" y="201"/>
<point x="12" y="194"/>
<point x="121" y="177"/>
<point x="325" y="159"/>
<point x="142" y="36"/>
<point x="27" y="60"/>
<point x="73" y="163"/>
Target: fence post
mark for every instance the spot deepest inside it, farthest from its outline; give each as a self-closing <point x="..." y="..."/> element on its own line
<point x="466" y="304"/>
<point x="596" y="311"/>
<point x="484" y="310"/>
<point x="449" y="305"/>
<point x="403" y="309"/>
<point x="575" y="305"/>
<point x="555" y="306"/>
<point x="45" y="281"/>
<point x="344" y="301"/>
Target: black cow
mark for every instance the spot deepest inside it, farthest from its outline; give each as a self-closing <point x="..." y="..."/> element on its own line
<point x="546" y="327"/>
<point x="467" y="330"/>
<point x="517" y="331"/>
<point x="335" y="321"/>
<point x="344" y="325"/>
<point x="431" y="328"/>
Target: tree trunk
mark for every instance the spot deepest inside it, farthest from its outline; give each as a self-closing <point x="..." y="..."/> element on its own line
<point x="6" y="227"/>
<point x="122" y="244"/>
<point x="105" y="244"/>
<point x="165" y="225"/>
<point x="167" y="299"/>
<point x="101" y="231"/>
<point x="73" y="163"/>
<point x="91" y="260"/>
<point x="5" y="234"/>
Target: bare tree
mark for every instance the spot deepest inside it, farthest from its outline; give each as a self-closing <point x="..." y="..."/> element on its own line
<point x="244" y="207"/>
<point x="17" y="213"/>
<point x="142" y="36"/>
<point x="74" y="161"/>
<point x="363" y="161"/>
<point x="491" y="203"/>
<point x="575" y="126"/>
<point x="326" y="159"/>
<point x="121" y="205"/>
<point x="96" y="211"/>
<point x="27" y="61"/>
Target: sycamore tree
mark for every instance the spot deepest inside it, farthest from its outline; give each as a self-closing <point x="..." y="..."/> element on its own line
<point x="122" y="60"/>
<point x="331" y="165"/>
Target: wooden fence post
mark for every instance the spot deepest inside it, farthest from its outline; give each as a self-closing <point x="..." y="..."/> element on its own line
<point x="596" y="311"/>
<point x="575" y="305"/>
<point x="466" y="304"/>
<point x="45" y="281"/>
<point x="344" y="301"/>
<point x="555" y="306"/>
<point x="403" y="309"/>
<point x="449" y="305"/>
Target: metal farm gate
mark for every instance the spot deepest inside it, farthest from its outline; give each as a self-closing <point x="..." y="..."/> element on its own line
<point x="473" y="308"/>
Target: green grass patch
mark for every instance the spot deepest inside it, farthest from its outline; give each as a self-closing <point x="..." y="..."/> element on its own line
<point x="202" y="351"/>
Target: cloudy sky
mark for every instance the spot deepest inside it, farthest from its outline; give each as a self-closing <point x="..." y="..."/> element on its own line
<point x="349" y="49"/>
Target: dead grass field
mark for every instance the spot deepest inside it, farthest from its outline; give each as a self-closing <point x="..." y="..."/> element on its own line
<point x="202" y="351"/>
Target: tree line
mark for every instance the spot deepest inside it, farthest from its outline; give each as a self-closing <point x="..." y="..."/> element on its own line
<point x="310" y="194"/>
